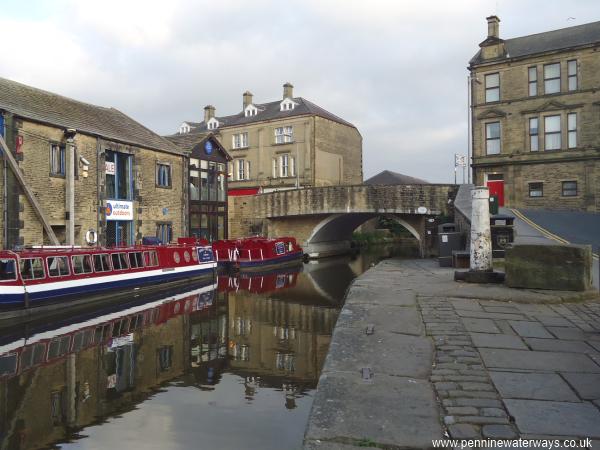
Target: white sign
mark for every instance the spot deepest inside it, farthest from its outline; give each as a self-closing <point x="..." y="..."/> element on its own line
<point x="119" y="210"/>
<point x="109" y="167"/>
<point x="460" y="161"/>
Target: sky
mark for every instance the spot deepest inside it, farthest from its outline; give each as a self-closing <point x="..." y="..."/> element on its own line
<point x="396" y="69"/>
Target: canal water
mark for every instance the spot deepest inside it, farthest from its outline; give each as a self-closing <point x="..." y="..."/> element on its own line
<point x="232" y="364"/>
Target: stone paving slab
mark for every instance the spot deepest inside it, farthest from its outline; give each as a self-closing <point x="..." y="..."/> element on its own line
<point x="558" y="345"/>
<point x="530" y="329"/>
<point x="587" y="385"/>
<point x="389" y="411"/>
<point x="398" y="319"/>
<point x="498" y="341"/>
<point x="535" y="386"/>
<point x="555" y="418"/>
<point x="380" y="351"/>
<point x="534" y="360"/>
<point x="480" y="325"/>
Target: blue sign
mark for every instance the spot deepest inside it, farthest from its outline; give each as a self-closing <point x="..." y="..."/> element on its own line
<point x="208" y="147"/>
<point x="280" y="248"/>
<point x="205" y="254"/>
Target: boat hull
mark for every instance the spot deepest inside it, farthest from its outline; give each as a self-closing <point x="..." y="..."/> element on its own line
<point x="279" y="261"/>
<point x="39" y="294"/>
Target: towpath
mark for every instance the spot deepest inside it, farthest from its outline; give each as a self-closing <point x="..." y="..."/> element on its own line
<point x="417" y="357"/>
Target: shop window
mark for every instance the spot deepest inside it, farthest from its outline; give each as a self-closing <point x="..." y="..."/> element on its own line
<point x="536" y="189"/>
<point x="118" y="169"/>
<point x="163" y="175"/>
<point x="569" y="188"/>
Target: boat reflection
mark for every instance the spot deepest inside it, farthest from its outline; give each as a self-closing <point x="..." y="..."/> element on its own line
<point x="56" y="379"/>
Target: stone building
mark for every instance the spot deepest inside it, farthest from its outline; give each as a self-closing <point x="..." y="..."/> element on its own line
<point x="84" y="167"/>
<point x="536" y="117"/>
<point x="284" y="144"/>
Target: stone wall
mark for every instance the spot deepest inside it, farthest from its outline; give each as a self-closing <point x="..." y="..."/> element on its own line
<point x="517" y="162"/>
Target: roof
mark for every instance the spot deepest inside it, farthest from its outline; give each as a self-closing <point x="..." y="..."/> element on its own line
<point x="389" y="177"/>
<point x="108" y="123"/>
<point x="270" y="111"/>
<point x="561" y="39"/>
<point x="188" y="141"/>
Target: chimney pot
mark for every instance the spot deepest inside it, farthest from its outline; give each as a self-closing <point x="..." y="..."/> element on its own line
<point x="209" y="113"/>
<point x="247" y="99"/>
<point x="493" y="27"/>
<point x="288" y="90"/>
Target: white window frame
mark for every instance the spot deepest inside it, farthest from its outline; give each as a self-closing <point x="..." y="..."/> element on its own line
<point x="532" y="84"/>
<point x="572" y="75"/>
<point x="488" y="140"/>
<point x="250" y="111"/>
<point x="287" y="105"/>
<point x="551" y="79"/>
<point x="284" y="135"/>
<point x="212" y="124"/>
<point x="572" y="130"/>
<point x="492" y="90"/>
<point x="240" y="140"/>
<point x="241" y="169"/>
<point x="284" y="165"/>
<point x="552" y="133"/>
<point x="534" y="136"/>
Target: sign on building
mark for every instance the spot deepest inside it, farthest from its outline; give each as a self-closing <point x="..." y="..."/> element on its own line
<point x="119" y="210"/>
<point x="109" y="167"/>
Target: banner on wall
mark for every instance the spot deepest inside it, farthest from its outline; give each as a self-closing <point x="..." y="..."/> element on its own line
<point x="119" y="210"/>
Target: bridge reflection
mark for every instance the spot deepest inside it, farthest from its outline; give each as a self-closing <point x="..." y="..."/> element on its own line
<point x="271" y="330"/>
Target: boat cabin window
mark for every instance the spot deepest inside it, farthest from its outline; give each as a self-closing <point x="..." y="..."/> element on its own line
<point x="58" y="346"/>
<point x="8" y="269"/>
<point x="8" y="364"/>
<point x="150" y="259"/>
<point x="136" y="261"/>
<point x="58" y="266"/>
<point x="82" y="264"/>
<point x="102" y="262"/>
<point x="101" y="333"/>
<point x="290" y="246"/>
<point x="32" y="355"/>
<point x="120" y="261"/>
<point x="31" y="268"/>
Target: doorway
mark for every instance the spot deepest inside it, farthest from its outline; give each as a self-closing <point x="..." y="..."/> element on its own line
<point x="495" y="183"/>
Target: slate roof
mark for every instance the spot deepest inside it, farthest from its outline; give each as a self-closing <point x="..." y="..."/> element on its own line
<point x="389" y="177"/>
<point x="563" y="38"/>
<point x="270" y="111"/>
<point x="187" y="140"/>
<point x="108" y="123"/>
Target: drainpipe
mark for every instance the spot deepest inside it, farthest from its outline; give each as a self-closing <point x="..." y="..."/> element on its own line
<point x="5" y="188"/>
<point x="70" y="186"/>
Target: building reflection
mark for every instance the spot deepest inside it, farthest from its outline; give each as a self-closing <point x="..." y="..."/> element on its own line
<point x="56" y="381"/>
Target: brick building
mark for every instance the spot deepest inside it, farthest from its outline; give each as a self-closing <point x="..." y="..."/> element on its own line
<point x="84" y="167"/>
<point x="536" y="117"/>
<point x="284" y="144"/>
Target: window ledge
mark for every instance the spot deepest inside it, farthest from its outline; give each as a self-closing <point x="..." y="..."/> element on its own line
<point x="284" y="143"/>
<point x="164" y="187"/>
<point x="241" y="148"/>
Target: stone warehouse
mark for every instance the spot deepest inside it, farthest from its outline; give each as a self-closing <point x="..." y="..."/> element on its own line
<point x="284" y="144"/>
<point x="536" y="117"/>
<point x="76" y="171"/>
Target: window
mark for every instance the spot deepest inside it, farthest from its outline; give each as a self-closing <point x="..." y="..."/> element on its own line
<point x="284" y="164"/>
<point x="492" y="87"/>
<point x="533" y="134"/>
<point x="119" y="261"/>
<point x="284" y="135"/>
<point x="164" y="232"/>
<point x="292" y="167"/>
<point x="119" y="184"/>
<point x="150" y="259"/>
<point x="57" y="160"/>
<point x="569" y="188"/>
<point x="572" y="130"/>
<point x="287" y="105"/>
<point x="492" y="138"/>
<point x="250" y="111"/>
<point x="58" y="266"/>
<point x="136" y="260"/>
<point x="552" y="78"/>
<point x="8" y="269"/>
<point x="536" y="189"/>
<point x="552" y="135"/>
<point x="101" y="262"/>
<point x="274" y="167"/>
<point x="163" y="175"/>
<point x="31" y="268"/>
<point x="240" y="140"/>
<point x="533" y="81"/>
<point x="212" y="124"/>
<point x="572" y="74"/>
<point x="82" y="264"/>
<point x="32" y="355"/>
<point x="241" y="169"/>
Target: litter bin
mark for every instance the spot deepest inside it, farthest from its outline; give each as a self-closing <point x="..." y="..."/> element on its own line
<point x="448" y="240"/>
<point x="493" y="204"/>
<point x="503" y="233"/>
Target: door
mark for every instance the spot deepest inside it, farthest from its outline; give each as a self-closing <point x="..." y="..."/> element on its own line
<point x="495" y="183"/>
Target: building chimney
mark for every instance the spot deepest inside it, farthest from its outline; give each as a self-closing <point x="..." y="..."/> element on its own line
<point x="247" y="96"/>
<point x="493" y="27"/>
<point x="209" y="113"/>
<point x="288" y="90"/>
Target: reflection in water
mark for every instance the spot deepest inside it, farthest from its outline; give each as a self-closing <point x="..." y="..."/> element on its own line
<point x="227" y="365"/>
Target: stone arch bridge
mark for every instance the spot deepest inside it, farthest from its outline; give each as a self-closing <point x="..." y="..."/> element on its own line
<point x="323" y="218"/>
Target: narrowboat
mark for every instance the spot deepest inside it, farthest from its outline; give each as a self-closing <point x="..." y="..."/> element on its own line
<point x="258" y="253"/>
<point x="257" y="282"/>
<point x="38" y="276"/>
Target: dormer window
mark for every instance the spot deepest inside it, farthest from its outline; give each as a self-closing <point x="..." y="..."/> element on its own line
<point x="212" y="124"/>
<point x="184" y="128"/>
<point x="250" y="111"/>
<point x="287" y="105"/>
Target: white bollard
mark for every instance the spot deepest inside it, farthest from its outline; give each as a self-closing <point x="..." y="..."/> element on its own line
<point x="481" y="236"/>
